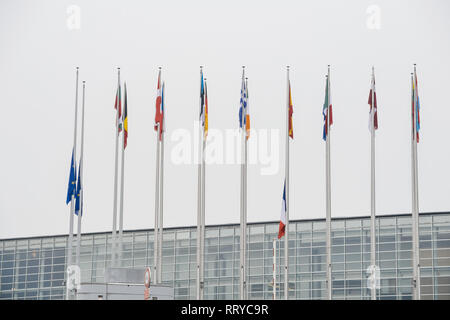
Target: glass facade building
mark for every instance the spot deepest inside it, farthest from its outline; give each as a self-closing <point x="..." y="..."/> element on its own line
<point x="34" y="268"/>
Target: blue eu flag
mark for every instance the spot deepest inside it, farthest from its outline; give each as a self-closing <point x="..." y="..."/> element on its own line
<point x="77" y="196"/>
<point x="72" y="181"/>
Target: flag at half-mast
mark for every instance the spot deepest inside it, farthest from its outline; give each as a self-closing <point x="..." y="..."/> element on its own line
<point x="291" y="111"/>
<point x="244" y="116"/>
<point x="71" y="189"/>
<point x="327" y="110"/>
<point x="282" y="227"/>
<point x="205" y="127"/>
<point x="373" y="113"/>
<point x="158" y="113"/>
<point x="118" y="105"/>
<point x="416" y="106"/>
<point x="125" y="118"/>
<point x="78" y="196"/>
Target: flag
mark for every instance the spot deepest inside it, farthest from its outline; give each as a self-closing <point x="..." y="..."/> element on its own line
<point x="247" y="113"/>
<point x="243" y="106"/>
<point x="205" y="128"/>
<point x="158" y="114"/>
<point x="373" y="113"/>
<point x="291" y="111"/>
<point x="125" y="118"/>
<point x="78" y="198"/>
<point x="327" y="106"/>
<point x="416" y="106"/>
<point x="162" y="128"/>
<point x="282" y="227"/>
<point x="72" y="181"/>
<point x="202" y="99"/>
<point x="118" y="104"/>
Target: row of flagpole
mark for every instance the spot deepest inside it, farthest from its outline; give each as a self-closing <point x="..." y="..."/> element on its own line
<point x="75" y="190"/>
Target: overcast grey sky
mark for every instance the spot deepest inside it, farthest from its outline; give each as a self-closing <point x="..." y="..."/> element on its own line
<point x="40" y="48"/>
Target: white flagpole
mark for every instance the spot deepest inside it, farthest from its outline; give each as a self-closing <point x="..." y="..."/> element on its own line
<point x="161" y="188"/>
<point x="372" y="187"/>
<point x="72" y="204"/>
<point x="199" y="205"/>
<point x="156" y="228"/>
<point x="116" y="167"/>
<point x="80" y="179"/>
<point x="416" y="258"/>
<point x="202" y="252"/>
<point x="413" y="190"/>
<point x="286" y="235"/>
<point x="274" y="268"/>
<point x="279" y="266"/>
<point x="120" y="246"/>
<point x="242" y="233"/>
<point x="328" y="193"/>
<point x="245" y="195"/>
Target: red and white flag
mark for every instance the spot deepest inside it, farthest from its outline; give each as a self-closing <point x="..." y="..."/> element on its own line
<point x="158" y="113"/>
<point x="282" y="227"/>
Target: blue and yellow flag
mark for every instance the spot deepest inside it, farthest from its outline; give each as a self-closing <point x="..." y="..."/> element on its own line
<point x="78" y="197"/>
<point x="72" y="181"/>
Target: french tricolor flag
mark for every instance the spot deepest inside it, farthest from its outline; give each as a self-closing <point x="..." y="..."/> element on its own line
<point x="283" y="214"/>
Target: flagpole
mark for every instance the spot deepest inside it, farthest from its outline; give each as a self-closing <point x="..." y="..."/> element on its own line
<point x="161" y="188"/>
<point x="274" y="268"/>
<point x="199" y="202"/>
<point x="202" y="253"/>
<point x="372" y="187"/>
<point x="116" y="167"/>
<point x="80" y="179"/>
<point x="72" y="205"/>
<point x="286" y="238"/>
<point x="328" y="193"/>
<point x="417" y="198"/>
<point x="120" y="245"/>
<point x="242" y="234"/>
<point x="245" y="194"/>
<point x="279" y="266"/>
<point x="156" y="229"/>
<point x="157" y="185"/>
<point x="415" y="215"/>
